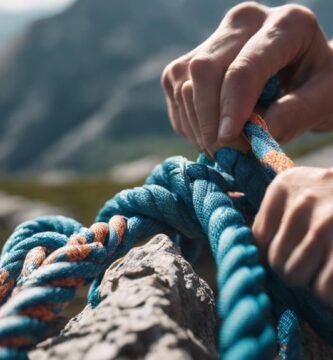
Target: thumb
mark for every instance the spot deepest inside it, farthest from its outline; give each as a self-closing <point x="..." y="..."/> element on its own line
<point x="299" y="111"/>
<point x="286" y="118"/>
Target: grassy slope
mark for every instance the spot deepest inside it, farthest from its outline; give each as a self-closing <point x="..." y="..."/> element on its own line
<point x="82" y="198"/>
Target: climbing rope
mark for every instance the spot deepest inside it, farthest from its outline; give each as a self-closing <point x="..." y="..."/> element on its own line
<point x="44" y="261"/>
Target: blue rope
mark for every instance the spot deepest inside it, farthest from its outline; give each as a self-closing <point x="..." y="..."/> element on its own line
<point x="45" y="260"/>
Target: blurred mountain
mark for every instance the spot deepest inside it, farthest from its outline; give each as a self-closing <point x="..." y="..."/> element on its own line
<point x="12" y="23"/>
<point x="80" y="90"/>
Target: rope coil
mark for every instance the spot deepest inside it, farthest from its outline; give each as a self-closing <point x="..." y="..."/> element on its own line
<point x="45" y="260"/>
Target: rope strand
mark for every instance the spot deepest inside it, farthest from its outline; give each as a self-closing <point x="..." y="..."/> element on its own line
<point x="44" y="261"/>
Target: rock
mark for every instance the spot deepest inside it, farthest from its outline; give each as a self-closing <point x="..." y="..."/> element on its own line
<point x="153" y="306"/>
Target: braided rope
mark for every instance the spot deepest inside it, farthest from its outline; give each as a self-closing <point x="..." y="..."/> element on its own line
<point x="45" y="260"/>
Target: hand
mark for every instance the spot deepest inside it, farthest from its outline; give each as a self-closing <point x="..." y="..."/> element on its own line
<point x="294" y="228"/>
<point x="212" y="90"/>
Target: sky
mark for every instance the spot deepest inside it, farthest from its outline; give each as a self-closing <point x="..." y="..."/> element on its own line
<point x="32" y="5"/>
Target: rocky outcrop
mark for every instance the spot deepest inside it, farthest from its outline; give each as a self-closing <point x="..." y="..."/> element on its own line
<point x="153" y="306"/>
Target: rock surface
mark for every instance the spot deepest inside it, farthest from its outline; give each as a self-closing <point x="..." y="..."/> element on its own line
<point x="154" y="307"/>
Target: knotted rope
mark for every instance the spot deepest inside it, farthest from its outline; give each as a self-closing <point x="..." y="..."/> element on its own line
<point x="45" y="260"/>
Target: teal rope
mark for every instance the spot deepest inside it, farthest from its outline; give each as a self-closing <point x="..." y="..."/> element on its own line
<point x="40" y="267"/>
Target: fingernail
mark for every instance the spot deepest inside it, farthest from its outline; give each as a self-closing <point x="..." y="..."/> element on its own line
<point x="226" y="128"/>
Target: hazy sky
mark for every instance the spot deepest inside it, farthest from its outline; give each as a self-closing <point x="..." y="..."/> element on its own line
<point x="24" y="5"/>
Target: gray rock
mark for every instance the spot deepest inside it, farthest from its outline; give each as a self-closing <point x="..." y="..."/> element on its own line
<point x="153" y="307"/>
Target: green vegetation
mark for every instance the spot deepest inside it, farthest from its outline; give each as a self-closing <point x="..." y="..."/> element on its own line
<point x="82" y="198"/>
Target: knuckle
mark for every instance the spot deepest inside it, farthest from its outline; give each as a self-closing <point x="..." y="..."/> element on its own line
<point x="178" y="95"/>
<point x="280" y="183"/>
<point x="245" y="13"/>
<point x="324" y="287"/>
<point x="187" y="89"/>
<point x="324" y="211"/>
<point x="177" y="69"/>
<point x="165" y="79"/>
<point x="318" y="233"/>
<point x="242" y="70"/>
<point x="326" y="174"/>
<point x="274" y="258"/>
<point x="301" y="205"/>
<point x="203" y="66"/>
<point x="307" y="197"/>
<point x="293" y="15"/>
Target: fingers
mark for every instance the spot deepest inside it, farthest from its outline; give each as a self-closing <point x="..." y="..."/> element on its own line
<point x="185" y="123"/>
<point x="272" y="48"/>
<point x="307" y="252"/>
<point x="208" y="67"/>
<point x="268" y="219"/>
<point x="301" y="110"/>
<point x="193" y="121"/>
<point x="172" y="80"/>
<point x="205" y="67"/>
<point x="324" y="282"/>
<point x="228" y="72"/>
<point x="207" y="74"/>
<point x="282" y="223"/>
<point x="293" y="228"/>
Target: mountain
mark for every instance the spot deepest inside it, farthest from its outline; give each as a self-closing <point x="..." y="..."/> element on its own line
<point x="13" y="23"/>
<point x="80" y="90"/>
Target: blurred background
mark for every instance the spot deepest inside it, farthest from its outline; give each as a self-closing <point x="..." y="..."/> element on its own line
<point x="82" y="114"/>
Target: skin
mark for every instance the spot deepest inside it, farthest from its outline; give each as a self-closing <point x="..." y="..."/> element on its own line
<point x="294" y="228"/>
<point x="211" y="92"/>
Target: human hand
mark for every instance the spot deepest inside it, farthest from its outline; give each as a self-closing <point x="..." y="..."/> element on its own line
<point x="212" y="90"/>
<point x="294" y="228"/>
